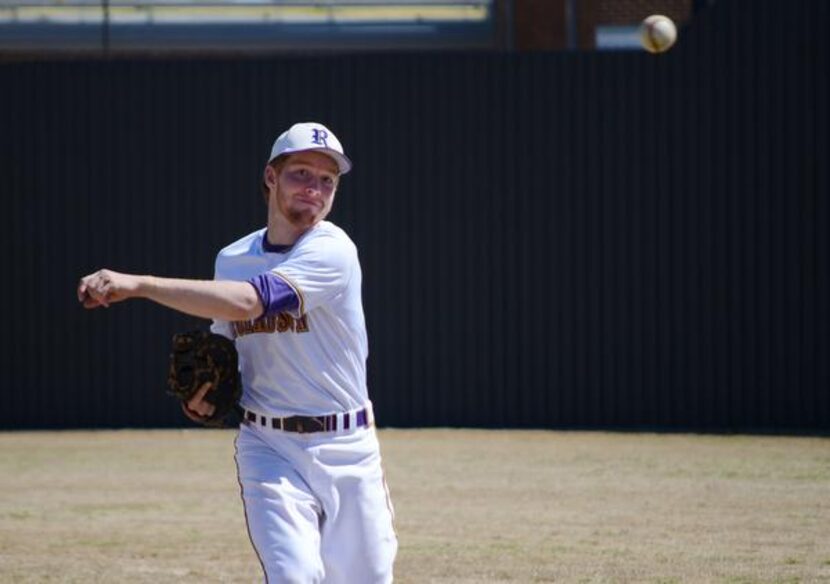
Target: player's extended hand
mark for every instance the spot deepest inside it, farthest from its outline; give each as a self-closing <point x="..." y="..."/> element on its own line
<point x="197" y="408"/>
<point x="106" y="287"/>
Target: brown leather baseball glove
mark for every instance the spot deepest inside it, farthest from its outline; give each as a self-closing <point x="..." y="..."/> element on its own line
<point x="200" y="357"/>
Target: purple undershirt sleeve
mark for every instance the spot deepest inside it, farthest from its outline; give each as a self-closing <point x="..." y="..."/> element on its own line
<point x="276" y="295"/>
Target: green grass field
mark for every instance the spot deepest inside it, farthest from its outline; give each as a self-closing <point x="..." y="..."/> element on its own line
<point x="472" y="506"/>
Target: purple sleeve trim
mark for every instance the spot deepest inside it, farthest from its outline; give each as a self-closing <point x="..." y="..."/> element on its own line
<point x="275" y="293"/>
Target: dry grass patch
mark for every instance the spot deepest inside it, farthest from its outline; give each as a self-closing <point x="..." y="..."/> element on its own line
<point x="472" y="506"/>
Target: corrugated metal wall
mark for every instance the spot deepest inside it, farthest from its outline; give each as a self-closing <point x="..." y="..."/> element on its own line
<point x="548" y="240"/>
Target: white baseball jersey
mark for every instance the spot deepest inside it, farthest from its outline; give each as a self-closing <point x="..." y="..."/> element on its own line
<point x="310" y="361"/>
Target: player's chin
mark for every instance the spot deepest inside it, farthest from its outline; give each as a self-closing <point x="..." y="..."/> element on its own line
<point x="306" y="217"/>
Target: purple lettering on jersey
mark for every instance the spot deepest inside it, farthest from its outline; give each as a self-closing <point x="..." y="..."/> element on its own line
<point x="276" y="295"/>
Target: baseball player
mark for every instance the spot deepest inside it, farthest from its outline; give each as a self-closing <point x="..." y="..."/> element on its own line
<point x="289" y="294"/>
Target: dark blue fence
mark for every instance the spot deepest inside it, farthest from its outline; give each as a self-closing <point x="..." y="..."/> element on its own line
<point x="598" y="240"/>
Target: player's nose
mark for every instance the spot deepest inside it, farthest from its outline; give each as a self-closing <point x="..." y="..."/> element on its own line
<point x="315" y="186"/>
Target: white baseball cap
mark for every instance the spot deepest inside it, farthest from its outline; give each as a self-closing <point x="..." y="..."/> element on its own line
<point x="311" y="136"/>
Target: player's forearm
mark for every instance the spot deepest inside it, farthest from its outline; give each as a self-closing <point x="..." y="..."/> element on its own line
<point x="223" y="300"/>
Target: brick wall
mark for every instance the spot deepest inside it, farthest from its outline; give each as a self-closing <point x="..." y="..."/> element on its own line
<point x="631" y="11"/>
<point x="541" y="24"/>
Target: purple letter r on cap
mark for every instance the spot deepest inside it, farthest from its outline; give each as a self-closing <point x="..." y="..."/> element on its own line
<point x="319" y="137"/>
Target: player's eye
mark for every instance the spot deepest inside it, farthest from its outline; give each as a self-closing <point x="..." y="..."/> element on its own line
<point x="328" y="181"/>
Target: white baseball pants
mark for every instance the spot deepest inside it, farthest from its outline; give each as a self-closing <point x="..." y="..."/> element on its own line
<point x="316" y="505"/>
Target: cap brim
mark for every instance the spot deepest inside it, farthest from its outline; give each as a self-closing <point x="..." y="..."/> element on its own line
<point x="344" y="165"/>
<point x="343" y="162"/>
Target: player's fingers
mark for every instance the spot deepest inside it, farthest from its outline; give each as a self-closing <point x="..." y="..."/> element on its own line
<point x="98" y="297"/>
<point x="90" y="302"/>
<point x="203" y="409"/>
<point x="81" y="290"/>
<point x="203" y="389"/>
<point x="86" y="286"/>
<point x="97" y="286"/>
<point x="196" y="417"/>
<point x="198" y="404"/>
<point x="100" y="289"/>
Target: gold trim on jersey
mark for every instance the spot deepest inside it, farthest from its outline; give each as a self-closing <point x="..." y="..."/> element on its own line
<point x="301" y="308"/>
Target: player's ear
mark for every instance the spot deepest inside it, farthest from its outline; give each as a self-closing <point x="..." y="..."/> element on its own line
<point x="269" y="176"/>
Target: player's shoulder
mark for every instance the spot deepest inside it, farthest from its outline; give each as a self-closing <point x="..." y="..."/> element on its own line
<point x="329" y="229"/>
<point x="244" y="245"/>
<point x="328" y="232"/>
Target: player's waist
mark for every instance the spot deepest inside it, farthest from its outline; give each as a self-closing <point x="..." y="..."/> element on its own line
<point x="362" y="417"/>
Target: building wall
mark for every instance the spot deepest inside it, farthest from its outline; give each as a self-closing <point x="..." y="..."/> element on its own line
<point x="544" y="25"/>
<point x="633" y="11"/>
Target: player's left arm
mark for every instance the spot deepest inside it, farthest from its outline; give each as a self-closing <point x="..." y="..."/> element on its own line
<point x="217" y="299"/>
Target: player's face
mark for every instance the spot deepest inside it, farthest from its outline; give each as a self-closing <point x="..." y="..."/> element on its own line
<point x="305" y="188"/>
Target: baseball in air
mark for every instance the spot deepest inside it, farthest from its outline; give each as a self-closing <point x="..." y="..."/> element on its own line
<point x="658" y="33"/>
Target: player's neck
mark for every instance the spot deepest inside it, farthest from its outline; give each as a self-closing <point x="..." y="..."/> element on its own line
<point x="281" y="231"/>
